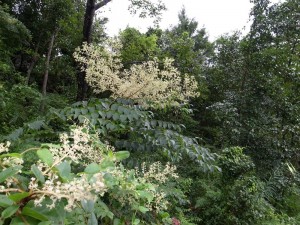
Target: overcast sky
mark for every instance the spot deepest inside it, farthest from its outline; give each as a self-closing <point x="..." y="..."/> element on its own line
<point x="217" y="16"/>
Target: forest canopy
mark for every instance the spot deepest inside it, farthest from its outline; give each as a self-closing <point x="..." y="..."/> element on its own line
<point x="156" y="127"/>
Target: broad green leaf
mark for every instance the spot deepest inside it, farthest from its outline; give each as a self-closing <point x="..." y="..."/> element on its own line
<point x="116" y="116"/>
<point x="103" y="211"/>
<point x="135" y="221"/>
<point x="9" y="172"/>
<point x="164" y="215"/>
<point x="143" y="209"/>
<point x="8" y="212"/>
<point x="38" y="174"/>
<point x="64" y="170"/>
<point x="46" y="156"/>
<point x="5" y="201"/>
<point x="34" y="214"/>
<point x="145" y="194"/>
<point x="106" y="164"/>
<point x="18" y="196"/>
<point x="120" y="155"/>
<point x="16" y="221"/>
<point x="117" y="221"/>
<point x="92" y="219"/>
<point x="109" y="114"/>
<point x="88" y="205"/>
<point x="92" y="168"/>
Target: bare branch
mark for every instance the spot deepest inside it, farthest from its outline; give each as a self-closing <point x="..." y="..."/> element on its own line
<point x="101" y="4"/>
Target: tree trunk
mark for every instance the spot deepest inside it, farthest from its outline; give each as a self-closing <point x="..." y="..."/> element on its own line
<point x="44" y="89"/>
<point x="91" y="7"/>
<point x="87" y="36"/>
<point x="34" y="60"/>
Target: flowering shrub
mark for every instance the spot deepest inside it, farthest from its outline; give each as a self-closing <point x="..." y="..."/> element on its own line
<point x="146" y="81"/>
<point x="81" y="181"/>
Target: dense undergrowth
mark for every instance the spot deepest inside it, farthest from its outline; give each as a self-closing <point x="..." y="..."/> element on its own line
<point x="210" y="136"/>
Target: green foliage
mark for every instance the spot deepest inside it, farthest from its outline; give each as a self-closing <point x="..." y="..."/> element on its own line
<point x="13" y="36"/>
<point x="131" y="127"/>
<point x="137" y="47"/>
<point x="101" y="191"/>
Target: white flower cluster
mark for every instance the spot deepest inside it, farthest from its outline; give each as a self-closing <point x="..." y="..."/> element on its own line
<point x="4" y="147"/>
<point x="9" y="161"/>
<point x="159" y="173"/>
<point x="145" y="81"/>
<point x="150" y="178"/>
<point x="78" y="147"/>
<point x="73" y="191"/>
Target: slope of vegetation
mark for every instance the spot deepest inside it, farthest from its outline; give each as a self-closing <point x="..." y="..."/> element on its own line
<point x="162" y="127"/>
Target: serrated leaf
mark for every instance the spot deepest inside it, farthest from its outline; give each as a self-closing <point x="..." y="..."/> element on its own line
<point x="18" y="196"/>
<point x="8" y="212"/>
<point x="46" y="156"/>
<point x="9" y="172"/>
<point x="37" y="173"/>
<point x="5" y="201"/>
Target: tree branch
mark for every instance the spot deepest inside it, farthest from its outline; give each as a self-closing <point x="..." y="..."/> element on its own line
<point x="101" y="4"/>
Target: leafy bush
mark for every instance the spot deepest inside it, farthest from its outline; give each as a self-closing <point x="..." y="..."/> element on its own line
<point x="81" y="180"/>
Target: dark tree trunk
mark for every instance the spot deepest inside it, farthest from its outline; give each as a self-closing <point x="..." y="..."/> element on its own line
<point x="87" y="36"/>
<point x="45" y="81"/>
<point x="91" y="7"/>
<point x="34" y="60"/>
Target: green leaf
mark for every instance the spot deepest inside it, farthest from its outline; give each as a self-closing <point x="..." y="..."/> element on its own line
<point x="103" y="211"/>
<point x="145" y="194"/>
<point x="92" y="168"/>
<point x="106" y="164"/>
<point x="135" y="221"/>
<point x="117" y="221"/>
<point x="88" y="205"/>
<point x="27" y="211"/>
<point x="120" y="155"/>
<point x="143" y="209"/>
<point x="36" y="125"/>
<point x="46" y="156"/>
<point x="5" y="201"/>
<point x="15" y="155"/>
<point x="38" y="174"/>
<point x="45" y="223"/>
<point x="8" y="212"/>
<point x="92" y="220"/>
<point x="164" y="215"/>
<point x="116" y="116"/>
<point x="18" y="196"/>
<point x="9" y="172"/>
<point x="16" y="221"/>
<point x="64" y="170"/>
